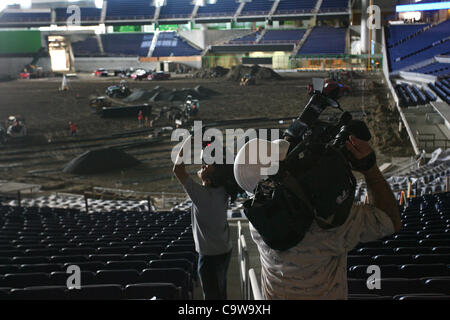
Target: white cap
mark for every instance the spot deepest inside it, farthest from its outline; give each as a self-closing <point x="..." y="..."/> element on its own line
<point x="250" y="165"/>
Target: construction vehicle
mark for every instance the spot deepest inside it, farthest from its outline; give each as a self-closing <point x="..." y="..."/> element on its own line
<point x="181" y="114"/>
<point x="16" y="128"/>
<point x="119" y="91"/>
<point x="247" y="80"/>
<point x="98" y="103"/>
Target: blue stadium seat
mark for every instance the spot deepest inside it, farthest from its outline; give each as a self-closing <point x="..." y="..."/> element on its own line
<point x="218" y="9"/>
<point x="39" y="293"/>
<point x="257" y="7"/>
<point x="176" y="9"/>
<point x="97" y="292"/>
<point x="59" y="278"/>
<point x="324" y="40"/>
<point x="165" y="291"/>
<point x="122" y="277"/>
<point x="122" y="265"/>
<point x="295" y="6"/>
<point x="129" y="10"/>
<point x="23" y="280"/>
<point x="178" y="277"/>
<point x="140" y="257"/>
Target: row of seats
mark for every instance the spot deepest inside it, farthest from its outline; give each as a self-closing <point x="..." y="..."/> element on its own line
<point x="442" y="89"/>
<point x="414" y="262"/>
<point x="173" y="9"/>
<point x="411" y="95"/>
<point x="121" y="255"/>
<point x="282" y="36"/>
<point x="245" y="40"/>
<point x="177" y="276"/>
<point x="25" y="17"/>
<point x="425" y="180"/>
<point x="170" y="44"/>
<point x="135" y="44"/>
<point x="324" y="40"/>
<point x="435" y="69"/>
<point x="140" y="291"/>
<point x="424" y="45"/>
<point x="398" y="34"/>
<point x="392" y="286"/>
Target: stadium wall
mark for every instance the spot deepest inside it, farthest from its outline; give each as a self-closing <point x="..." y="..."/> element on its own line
<point x="90" y="64"/>
<point x="11" y="67"/>
<point x="205" y="38"/>
<point x="394" y="94"/>
<point x="17" y="49"/>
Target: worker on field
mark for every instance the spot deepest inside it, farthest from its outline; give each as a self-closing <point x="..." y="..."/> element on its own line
<point x="140" y="119"/>
<point x="73" y="129"/>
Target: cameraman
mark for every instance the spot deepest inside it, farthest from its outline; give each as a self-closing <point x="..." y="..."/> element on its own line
<point x="316" y="267"/>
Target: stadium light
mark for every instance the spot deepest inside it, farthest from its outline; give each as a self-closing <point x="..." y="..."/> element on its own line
<point x="98" y="4"/>
<point x="159" y="3"/>
<point x="24" y="4"/>
<point x="423" y="6"/>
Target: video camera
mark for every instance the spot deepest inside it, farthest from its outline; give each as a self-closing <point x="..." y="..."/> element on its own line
<point x="308" y="130"/>
<point x="315" y="181"/>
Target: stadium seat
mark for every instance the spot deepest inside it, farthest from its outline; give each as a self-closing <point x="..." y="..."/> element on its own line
<point x="424" y="270"/>
<point x="96" y="292"/>
<point x="360" y="271"/>
<point x="46" y="268"/>
<point x="431" y="258"/>
<point x="122" y="265"/>
<point x="59" y="278"/>
<point x="388" y="286"/>
<point x="190" y="256"/>
<point x="184" y="264"/>
<point x="87" y="266"/>
<point x="392" y="259"/>
<point x="24" y="280"/>
<point x="165" y="291"/>
<point x="180" y="247"/>
<point x="122" y="277"/>
<point x="148" y="249"/>
<point x="368" y="297"/>
<point x="412" y="250"/>
<point x="140" y="257"/>
<point x="422" y="297"/>
<point x="39" y="293"/>
<point x="72" y="259"/>
<point x="178" y="277"/>
<point x="4" y="269"/>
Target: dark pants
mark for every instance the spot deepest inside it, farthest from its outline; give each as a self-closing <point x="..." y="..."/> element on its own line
<point x="212" y="271"/>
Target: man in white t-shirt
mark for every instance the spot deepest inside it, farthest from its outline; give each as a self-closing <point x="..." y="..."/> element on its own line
<point x="316" y="268"/>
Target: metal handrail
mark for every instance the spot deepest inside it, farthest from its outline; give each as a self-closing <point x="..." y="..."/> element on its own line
<point x="255" y="290"/>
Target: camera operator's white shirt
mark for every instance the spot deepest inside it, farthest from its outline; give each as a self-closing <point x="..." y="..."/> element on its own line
<point x="317" y="267"/>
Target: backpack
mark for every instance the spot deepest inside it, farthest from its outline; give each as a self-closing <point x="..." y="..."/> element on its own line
<point x="314" y="183"/>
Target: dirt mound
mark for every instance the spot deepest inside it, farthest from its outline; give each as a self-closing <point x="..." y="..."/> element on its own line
<point x="206" y="92"/>
<point x="199" y="92"/>
<point x="143" y="95"/>
<point x="100" y="161"/>
<point x="211" y="73"/>
<point x="257" y="72"/>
